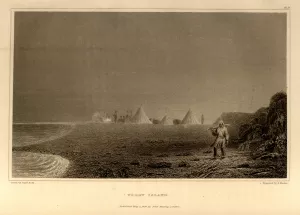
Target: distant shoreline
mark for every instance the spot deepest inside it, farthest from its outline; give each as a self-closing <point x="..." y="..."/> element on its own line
<point x="45" y="123"/>
<point x="91" y="122"/>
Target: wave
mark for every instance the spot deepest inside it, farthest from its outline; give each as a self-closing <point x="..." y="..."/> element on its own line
<point x="36" y="165"/>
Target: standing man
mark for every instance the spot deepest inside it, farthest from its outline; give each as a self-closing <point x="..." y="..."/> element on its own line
<point x="222" y="137"/>
<point x="116" y="116"/>
<point x="202" y="119"/>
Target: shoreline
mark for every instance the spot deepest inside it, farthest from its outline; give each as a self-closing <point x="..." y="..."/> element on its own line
<point x="58" y="135"/>
<point x="38" y="165"/>
<point x="46" y="123"/>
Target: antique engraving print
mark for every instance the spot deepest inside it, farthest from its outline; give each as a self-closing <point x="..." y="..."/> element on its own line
<point x="108" y="94"/>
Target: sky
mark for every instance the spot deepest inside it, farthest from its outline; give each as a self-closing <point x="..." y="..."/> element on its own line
<point x="68" y="65"/>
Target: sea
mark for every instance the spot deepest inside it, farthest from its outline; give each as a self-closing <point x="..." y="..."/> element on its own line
<point x="38" y="165"/>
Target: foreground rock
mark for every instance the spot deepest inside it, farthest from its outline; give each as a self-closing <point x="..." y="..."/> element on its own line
<point x="184" y="164"/>
<point x="265" y="135"/>
<point x="160" y="165"/>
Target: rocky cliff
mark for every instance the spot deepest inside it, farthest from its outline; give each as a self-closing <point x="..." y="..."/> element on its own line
<point x="265" y="135"/>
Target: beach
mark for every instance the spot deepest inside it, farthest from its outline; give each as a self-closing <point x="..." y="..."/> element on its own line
<point x="97" y="150"/>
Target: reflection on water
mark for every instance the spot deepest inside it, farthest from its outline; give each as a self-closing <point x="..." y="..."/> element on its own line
<point x="28" y="134"/>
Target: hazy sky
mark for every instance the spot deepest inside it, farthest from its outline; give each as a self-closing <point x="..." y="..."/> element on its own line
<point x="68" y="65"/>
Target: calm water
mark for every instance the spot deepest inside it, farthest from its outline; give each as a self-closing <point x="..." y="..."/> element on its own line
<point x="28" y="134"/>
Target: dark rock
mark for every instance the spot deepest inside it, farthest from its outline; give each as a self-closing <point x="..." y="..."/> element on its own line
<point x="179" y="144"/>
<point x="207" y="152"/>
<point x="281" y="144"/>
<point x="271" y="156"/>
<point x="249" y="144"/>
<point x="146" y="154"/>
<point x="244" y="165"/>
<point x="149" y="173"/>
<point x="162" y="155"/>
<point x="263" y="149"/>
<point x="160" y="165"/>
<point x="105" y="173"/>
<point x="184" y="154"/>
<point x="184" y="164"/>
<point x="114" y="162"/>
<point x="135" y="162"/>
<point x="123" y="172"/>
